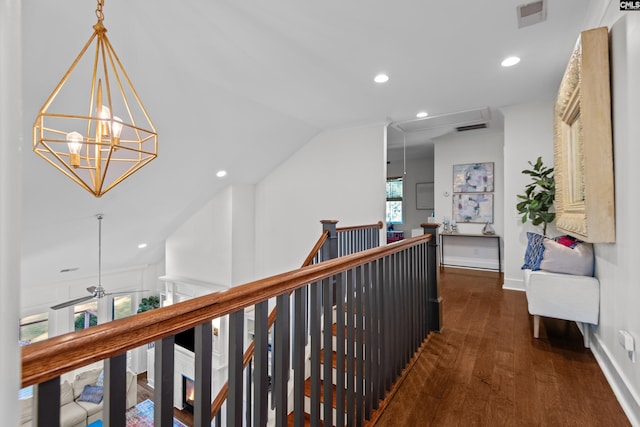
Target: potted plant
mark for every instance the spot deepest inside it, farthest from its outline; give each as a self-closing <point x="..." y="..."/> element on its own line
<point x="149" y="303"/>
<point x="536" y="203"/>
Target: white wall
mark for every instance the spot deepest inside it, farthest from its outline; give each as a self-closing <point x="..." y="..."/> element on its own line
<point x="200" y="248"/>
<point x="243" y="230"/>
<point x="418" y="170"/>
<point x="338" y="175"/>
<point x="528" y="133"/>
<point x="216" y="244"/>
<point x="477" y="146"/>
<point x="10" y="203"/>
<point x="616" y="264"/>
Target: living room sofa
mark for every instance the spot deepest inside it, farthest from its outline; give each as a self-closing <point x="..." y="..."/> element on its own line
<point x="75" y="410"/>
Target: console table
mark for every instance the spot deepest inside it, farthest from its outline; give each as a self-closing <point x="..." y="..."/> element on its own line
<point x="444" y="236"/>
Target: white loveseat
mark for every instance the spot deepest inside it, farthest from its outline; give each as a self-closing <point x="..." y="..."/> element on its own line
<point x="73" y="411"/>
<point x="562" y="296"/>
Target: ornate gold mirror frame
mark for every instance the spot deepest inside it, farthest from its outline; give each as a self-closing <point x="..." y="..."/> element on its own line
<point x="583" y="152"/>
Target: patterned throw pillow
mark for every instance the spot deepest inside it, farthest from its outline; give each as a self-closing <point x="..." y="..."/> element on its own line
<point x="91" y="393"/>
<point x="533" y="254"/>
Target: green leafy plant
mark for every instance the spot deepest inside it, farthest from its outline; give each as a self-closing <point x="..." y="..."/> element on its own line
<point x="536" y="203"/>
<point x="148" y="303"/>
<point x="79" y="320"/>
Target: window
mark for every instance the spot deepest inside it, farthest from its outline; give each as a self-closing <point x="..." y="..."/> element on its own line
<point x="34" y="328"/>
<point x="394" y="200"/>
<point x="121" y="307"/>
<point x="85" y="315"/>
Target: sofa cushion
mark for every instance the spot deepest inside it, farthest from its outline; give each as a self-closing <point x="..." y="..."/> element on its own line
<point x="91" y="393"/>
<point x="72" y="414"/>
<point x="90" y="408"/>
<point x="85" y="378"/>
<point x="66" y="393"/>
<point x="558" y="258"/>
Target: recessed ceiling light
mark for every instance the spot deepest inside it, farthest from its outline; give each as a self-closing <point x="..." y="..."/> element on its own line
<point x="220" y="174"/>
<point x="510" y="61"/>
<point x="381" y="78"/>
<point x="142" y="245"/>
<point x="422" y="114"/>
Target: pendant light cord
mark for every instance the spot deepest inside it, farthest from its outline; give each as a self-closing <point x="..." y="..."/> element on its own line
<point x="100" y="216"/>
<point x="404" y="151"/>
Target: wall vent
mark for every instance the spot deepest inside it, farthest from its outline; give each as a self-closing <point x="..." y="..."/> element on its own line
<point x="531" y="13"/>
<point x="471" y="127"/>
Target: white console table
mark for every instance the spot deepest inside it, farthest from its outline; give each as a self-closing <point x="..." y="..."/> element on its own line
<point x="445" y="236"/>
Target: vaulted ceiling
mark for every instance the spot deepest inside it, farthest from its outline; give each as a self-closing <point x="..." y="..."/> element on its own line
<point x="240" y="86"/>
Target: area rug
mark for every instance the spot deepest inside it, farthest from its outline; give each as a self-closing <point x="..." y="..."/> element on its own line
<point x="141" y="415"/>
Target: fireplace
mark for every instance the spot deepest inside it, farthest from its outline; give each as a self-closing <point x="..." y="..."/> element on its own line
<point x="188" y="393"/>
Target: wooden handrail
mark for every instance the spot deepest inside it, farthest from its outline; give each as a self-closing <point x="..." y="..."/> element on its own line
<point x="379" y="224"/>
<point x="222" y="395"/>
<point x="51" y="358"/>
<point x="314" y="251"/>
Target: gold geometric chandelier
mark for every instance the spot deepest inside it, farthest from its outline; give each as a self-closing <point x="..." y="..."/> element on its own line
<point x="100" y="144"/>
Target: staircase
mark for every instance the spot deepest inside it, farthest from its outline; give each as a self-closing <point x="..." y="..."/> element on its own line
<point x="328" y="362"/>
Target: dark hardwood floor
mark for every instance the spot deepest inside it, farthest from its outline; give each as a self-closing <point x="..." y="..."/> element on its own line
<point x="486" y="368"/>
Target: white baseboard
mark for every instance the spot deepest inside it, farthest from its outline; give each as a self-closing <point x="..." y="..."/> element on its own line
<point x="626" y="395"/>
<point x="513" y="285"/>
<point x="484" y="264"/>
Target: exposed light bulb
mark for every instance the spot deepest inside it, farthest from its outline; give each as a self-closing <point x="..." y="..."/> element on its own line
<point x="510" y="61"/>
<point x="116" y="127"/>
<point x="381" y="78"/>
<point x="105" y="115"/>
<point x="116" y="130"/>
<point x="74" y="141"/>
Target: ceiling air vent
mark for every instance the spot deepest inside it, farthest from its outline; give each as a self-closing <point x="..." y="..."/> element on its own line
<point x="532" y="13"/>
<point x="471" y="127"/>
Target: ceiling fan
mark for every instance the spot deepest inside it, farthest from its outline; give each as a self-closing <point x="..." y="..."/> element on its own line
<point x="96" y="292"/>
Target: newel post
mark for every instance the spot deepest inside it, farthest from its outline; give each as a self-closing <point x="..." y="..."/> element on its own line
<point x="434" y="319"/>
<point x="330" y="248"/>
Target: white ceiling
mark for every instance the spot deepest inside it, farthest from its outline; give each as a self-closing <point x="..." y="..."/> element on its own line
<point x="240" y="86"/>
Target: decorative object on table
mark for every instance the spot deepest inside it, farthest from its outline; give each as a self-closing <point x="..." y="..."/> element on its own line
<point x="473" y="178"/>
<point x="536" y="203"/>
<point x="473" y="207"/>
<point x="454" y="226"/>
<point x="583" y="148"/>
<point x="93" y="146"/>
<point x="488" y="230"/>
<point x="445" y="225"/>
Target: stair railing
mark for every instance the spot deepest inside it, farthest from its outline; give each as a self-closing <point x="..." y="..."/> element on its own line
<point x="333" y="242"/>
<point x="384" y="292"/>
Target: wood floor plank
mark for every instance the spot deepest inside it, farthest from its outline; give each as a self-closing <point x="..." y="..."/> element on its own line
<point x="486" y="368"/>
